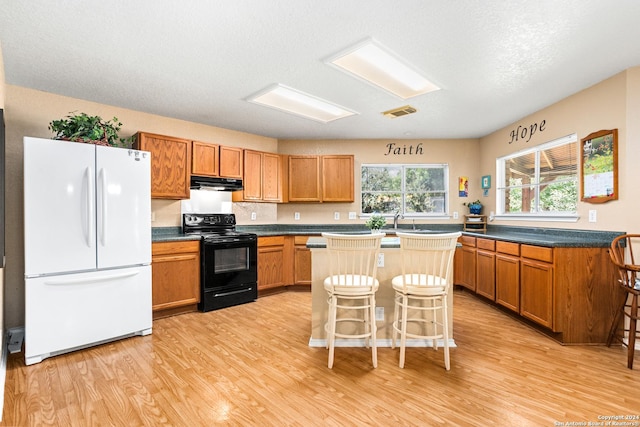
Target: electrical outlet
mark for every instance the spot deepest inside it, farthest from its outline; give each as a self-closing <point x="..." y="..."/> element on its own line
<point x="296" y="216"/>
<point x="336" y="215"/>
<point x="379" y="314"/>
<point x="253" y="216"/>
<point x="455" y="215"/>
<point x="380" y="260"/>
<point x="352" y="215"/>
<point x="593" y="217"/>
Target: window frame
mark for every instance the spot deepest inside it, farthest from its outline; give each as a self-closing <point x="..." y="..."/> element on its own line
<point x="538" y="215"/>
<point x="404" y="166"/>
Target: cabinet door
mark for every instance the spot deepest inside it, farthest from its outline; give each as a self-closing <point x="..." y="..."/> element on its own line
<point x="271" y="177"/>
<point x="302" y="261"/>
<point x="175" y="274"/>
<point x="304" y="179"/>
<point x="468" y="269"/>
<point x="170" y="165"/>
<point x="204" y="159"/>
<point x="508" y="281"/>
<point x="271" y="253"/>
<point x="337" y="178"/>
<point x="486" y="273"/>
<point x="252" y="180"/>
<point x="536" y="292"/>
<point x="231" y="162"/>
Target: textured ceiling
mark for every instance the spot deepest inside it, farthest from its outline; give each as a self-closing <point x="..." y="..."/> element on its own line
<point x="496" y="61"/>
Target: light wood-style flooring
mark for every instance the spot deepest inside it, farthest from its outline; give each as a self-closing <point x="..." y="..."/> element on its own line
<point x="251" y="365"/>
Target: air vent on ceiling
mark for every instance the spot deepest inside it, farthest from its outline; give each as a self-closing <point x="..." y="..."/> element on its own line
<point x="399" y="112"/>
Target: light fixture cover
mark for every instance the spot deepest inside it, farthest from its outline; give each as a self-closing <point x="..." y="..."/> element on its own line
<point x="372" y="62"/>
<point x="296" y="102"/>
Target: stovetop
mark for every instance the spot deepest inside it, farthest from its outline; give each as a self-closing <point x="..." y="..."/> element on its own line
<point x="214" y="227"/>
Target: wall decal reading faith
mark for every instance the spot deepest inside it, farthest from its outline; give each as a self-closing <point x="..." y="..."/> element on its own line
<point x="396" y="150"/>
<point x="522" y="132"/>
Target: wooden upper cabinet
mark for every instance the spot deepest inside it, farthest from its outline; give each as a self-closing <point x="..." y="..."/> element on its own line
<point x="272" y="179"/>
<point x="231" y="162"/>
<point x="170" y="164"/>
<point x="337" y="178"/>
<point x="204" y="159"/>
<point x="304" y="179"/>
<point x="252" y="181"/>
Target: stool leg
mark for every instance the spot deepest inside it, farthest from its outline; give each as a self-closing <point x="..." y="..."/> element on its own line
<point x="395" y="325"/>
<point x="331" y="330"/>
<point x="445" y="332"/>
<point x="633" y="323"/>
<point x="372" y="330"/>
<point x="403" y="330"/>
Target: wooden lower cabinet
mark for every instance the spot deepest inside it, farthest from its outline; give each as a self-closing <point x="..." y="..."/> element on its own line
<point x="486" y="274"/>
<point x="271" y="254"/>
<point x="570" y="292"/>
<point x="301" y="261"/>
<point x="465" y="263"/>
<point x="536" y="288"/>
<point x="508" y="281"/>
<point x="175" y="270"/>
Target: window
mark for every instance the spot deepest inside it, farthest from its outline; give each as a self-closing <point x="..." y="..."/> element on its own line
<point x="542" y="181"/>
<point x="412" y="190"/>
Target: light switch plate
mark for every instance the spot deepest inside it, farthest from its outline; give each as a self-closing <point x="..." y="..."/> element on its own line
<point x="593" y="216"/>
<point x="296" y="216"/>
<point x="352" y="215"/>
<point x="336" y="215"/>
<point x="455" y="215"/>
<point x="253" y="216"/>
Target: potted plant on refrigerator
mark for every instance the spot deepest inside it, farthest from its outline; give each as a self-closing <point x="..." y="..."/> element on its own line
<point x="89" y="129"/>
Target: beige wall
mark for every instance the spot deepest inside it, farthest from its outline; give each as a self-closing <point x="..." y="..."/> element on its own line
<point x="28" y="113"/>
<point x="461" y="156"/>
<point x="613" y="103"/>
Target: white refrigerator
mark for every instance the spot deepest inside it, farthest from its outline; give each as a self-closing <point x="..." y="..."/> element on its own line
<point x="87" y="242"/>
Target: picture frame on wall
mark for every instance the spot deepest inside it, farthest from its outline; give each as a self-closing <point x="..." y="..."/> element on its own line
<point x="486" y="182"/>
<point x="599" y="166"/>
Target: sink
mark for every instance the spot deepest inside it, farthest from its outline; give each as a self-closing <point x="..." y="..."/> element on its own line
<point x="417" y="231"/>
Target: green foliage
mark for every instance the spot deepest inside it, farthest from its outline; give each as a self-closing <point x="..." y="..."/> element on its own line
<point x="474" y="203"/>
<point x="84" y="128"/>
<point x="375" y="222"/>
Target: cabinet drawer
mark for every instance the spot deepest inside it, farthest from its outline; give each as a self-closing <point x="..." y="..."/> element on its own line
<point x="175" y="247"/>
<point x="537" y="252"/>
<point x="300" y="240"/>
<point x="508" y="248"/>
<point x="468" y="241"/>
<point x="487" y="244"/>
<point x="271" y="241"/>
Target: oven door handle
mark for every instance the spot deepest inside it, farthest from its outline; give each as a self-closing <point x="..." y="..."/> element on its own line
<point x="224" y="294"/>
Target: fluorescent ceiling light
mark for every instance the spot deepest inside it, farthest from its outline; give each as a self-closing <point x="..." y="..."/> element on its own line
<point x="293" y="101"/>
<point x="377" y="65"/>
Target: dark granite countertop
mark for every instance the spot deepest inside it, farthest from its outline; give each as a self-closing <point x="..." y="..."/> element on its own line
<point x="550" y="237"/>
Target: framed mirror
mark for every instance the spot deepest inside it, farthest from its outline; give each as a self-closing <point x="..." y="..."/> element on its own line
<point x="599" y="166"/>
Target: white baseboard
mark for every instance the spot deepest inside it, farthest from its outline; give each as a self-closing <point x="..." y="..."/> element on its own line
<point x="3" y="370"/>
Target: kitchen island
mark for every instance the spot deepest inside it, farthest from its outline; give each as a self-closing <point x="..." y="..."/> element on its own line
<point x="390" y="251"/>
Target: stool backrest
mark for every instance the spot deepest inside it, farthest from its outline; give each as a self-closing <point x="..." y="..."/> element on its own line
<point x="623" y="253"/>
<point x="353" y="254"/>
<point x="430" y="255"/>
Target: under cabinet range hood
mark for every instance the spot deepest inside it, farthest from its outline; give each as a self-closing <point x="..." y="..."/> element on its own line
<point x="215" y="184"/>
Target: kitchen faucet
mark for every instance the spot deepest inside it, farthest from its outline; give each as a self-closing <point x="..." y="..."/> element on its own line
<point x="396" y="217"/>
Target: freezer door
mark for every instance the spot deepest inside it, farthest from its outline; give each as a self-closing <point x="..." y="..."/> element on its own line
<point x="123" y="207"/>
<point x="72" y="311"/>
<point x="59" y="206"/>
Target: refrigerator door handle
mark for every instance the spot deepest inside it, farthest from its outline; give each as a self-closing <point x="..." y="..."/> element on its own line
<point x="88" y="211"/>
<point x="103" y="221"/>
<point x="92" y="279"/>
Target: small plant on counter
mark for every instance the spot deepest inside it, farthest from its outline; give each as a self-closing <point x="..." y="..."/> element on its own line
<point x="375" y="222"/>
<point x="474" y="207"/>
<point x="90" y="129"/>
